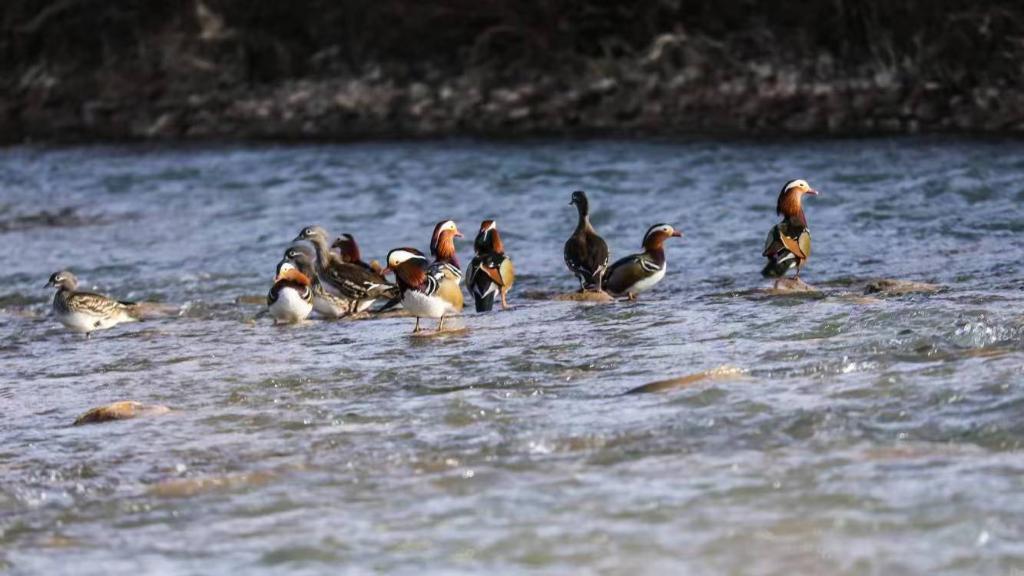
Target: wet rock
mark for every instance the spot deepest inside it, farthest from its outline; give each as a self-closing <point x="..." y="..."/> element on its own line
<point x="123" y="410"/>
<point x="187" y="487"/>
<point x="447" y="331"/>
<point x="719" y="373"/>
<point x="892" y="287"/>
<point x="252" y="300"/>
<point x="599" y="297"/>
<point x="792" y="285"/>
<point x="154" y="310"/>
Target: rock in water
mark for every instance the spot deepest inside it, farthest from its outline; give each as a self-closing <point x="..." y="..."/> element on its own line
<point x="790" y="285"/>
<point x="600" y="297"/>
<point x="724" y="371"/>
<point x="892" y="287"/>
<point x="120" y="411"/>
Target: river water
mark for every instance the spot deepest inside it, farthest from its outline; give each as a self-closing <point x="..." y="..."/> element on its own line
<point x="851" y="435"/>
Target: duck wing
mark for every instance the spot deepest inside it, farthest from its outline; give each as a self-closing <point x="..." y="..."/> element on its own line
<point x="356" y="282"/>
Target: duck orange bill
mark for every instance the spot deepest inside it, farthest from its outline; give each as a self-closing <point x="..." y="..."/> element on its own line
<point x="676" y="233"/>
<point x="812" y="192"/>
<point x="293" y="274"/>
<point x="386" y="271"/>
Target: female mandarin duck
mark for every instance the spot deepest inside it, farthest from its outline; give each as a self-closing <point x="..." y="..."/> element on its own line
<point x="586" y="253"/>
<point x="290" y="299"/>
<point x="638" y="272"/>
<point x="789" y="242"/>
<point x="490" y="272"/>
<point x="353" y="284"/>
<point x="423" y="292"/>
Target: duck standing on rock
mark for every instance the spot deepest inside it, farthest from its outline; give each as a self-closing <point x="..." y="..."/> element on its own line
<point x="290" y="299"/>
<point x="789" y="242"/>
<point x="442" y="248"/>
<point x="490" y="272"/>
<point x="85" y="312"/>
<point x="445" y="266"/>
<point x="356" y="287"/>
<point x="421" y="289"/>
<point x="638" y="272"/>
<point x="586" y="253"/>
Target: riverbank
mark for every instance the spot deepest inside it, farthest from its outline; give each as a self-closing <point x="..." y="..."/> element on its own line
<point x="620" y="99"/>
<point x="198" y="74"/>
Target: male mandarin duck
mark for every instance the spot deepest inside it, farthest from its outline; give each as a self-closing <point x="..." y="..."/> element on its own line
<point x="85" y="312"/>
<point x="789" y="242"/>
<point x="357" y="285"/>
<point x="422" y="291"/>
<point x="348" y="249"/>
<point x="638" y="272"/>
<point x="290" y="299"/>
<point x="490" y="272"/>
<point x="586" y="253"/>
<point x="442" y="248"/>
<point x="446" y="263"/>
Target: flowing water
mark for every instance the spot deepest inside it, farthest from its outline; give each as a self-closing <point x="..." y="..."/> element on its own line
<point x="848" y="434"/>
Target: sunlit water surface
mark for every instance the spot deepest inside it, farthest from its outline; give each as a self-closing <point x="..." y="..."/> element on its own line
<point x="865" y="436"/>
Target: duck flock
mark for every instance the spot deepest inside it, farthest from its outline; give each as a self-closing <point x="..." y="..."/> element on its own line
<point x="332" y="280"/>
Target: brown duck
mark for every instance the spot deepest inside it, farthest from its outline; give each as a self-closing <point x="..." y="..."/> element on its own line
<point x="789" y="242"/>
<point x="586" y="253"/>
<point x="638" y="272"/>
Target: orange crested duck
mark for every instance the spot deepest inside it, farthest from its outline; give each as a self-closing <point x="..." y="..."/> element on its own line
<point x="789" y="242"/>
<point x="491" y="271"/>
<point x="422" y="287"/>
<point x="290" y="299"/>
<point x="638" y="272"/>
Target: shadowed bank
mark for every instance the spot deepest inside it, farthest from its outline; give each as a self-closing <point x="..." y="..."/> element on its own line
<point x="216" y="69"/>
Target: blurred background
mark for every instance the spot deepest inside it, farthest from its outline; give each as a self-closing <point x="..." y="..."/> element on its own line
<point x="345" y="69"/>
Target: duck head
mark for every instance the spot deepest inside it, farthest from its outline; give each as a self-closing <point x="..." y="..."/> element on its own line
<point x="442" y="242"/>
<point x="314" y="234"/>
<point x="409" y="266"/>
<point x="301" y="257"/>
<point x="346" y="243"/>
<point x="790" y="205"/>
<point x="579" y="199"/>
<point x="487" y="239"/>
<point x="63" y="280"/>
<point x="657" y="234"/>
<point x="289" y="270"/>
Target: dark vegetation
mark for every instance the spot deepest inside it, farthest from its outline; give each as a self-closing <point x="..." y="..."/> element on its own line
<point x="353" y="68"/>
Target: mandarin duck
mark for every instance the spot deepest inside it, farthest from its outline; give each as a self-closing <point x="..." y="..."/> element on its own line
<point x="422" y="290"/>
<point x="490" y="272"/>
<point x="84" y="312"/>
<point x="638" y="272"/>
<point x="290" y="299"/>
<point x="357" y="286"/>
<point x="586" y="253"/>
<point x="788" y="244"/>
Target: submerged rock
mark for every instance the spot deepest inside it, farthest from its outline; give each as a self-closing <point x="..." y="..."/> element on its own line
<point x="791" y="285"/>
<point x="448" y="331"/>
<point x="123" y="410"/>
<point x="893" y="287"/>
<point x="600" y="297"/>
<point x="186" y="487"/>
<point x="719" y="373"/>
